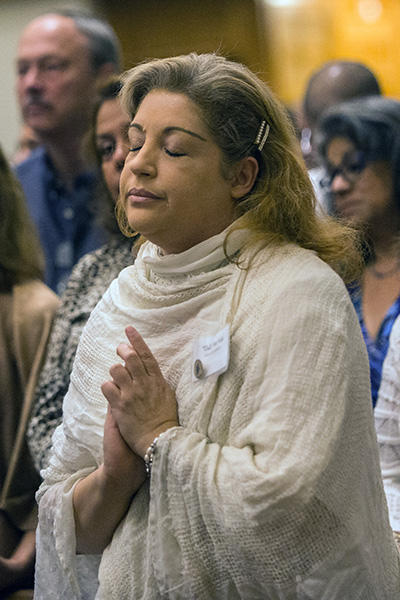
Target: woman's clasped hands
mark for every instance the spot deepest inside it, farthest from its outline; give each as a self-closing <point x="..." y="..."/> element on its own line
<point x="141" y="406"/>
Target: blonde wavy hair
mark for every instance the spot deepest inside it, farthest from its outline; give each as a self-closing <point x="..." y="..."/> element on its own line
<point x="281" y="207"/>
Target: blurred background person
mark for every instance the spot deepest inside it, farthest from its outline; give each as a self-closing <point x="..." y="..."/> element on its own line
<point x="89" y="279"/>
<point x="61" y="58"/>
<point x="387" y="425"/>
<point x="26" y="311"/>
<point x="334" y="82"/>
<point x="360" y="149"/>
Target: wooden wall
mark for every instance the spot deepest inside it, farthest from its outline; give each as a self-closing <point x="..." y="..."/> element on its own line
<point x="160" y="28"/>
<point x="306" y="33"/>
<point x="283" y="41"/>
<point x="371" y="33"/>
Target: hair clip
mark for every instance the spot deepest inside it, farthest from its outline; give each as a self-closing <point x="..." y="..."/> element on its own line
<point x="262" y="135"/>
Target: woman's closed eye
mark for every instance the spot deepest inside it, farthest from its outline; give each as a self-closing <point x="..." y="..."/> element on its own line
<point x="134" y="148"/>
<point x="173" y="153"/>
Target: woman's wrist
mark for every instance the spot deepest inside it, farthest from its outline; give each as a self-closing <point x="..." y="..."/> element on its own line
<point x="100" y="502"/>
<point x="146" y="441"/>
<point x="127" y="486"/>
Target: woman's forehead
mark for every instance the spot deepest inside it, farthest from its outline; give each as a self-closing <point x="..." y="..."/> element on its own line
<point x="165" y="109"/>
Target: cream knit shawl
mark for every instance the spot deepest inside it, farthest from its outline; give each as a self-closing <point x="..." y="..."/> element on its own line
<point x="387" y="423"/>
<point x="271" y="488"/>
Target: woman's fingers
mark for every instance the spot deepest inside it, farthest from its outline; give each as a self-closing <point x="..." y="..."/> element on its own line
<point x="132" y="360"/>
<point x="121" y="375"/>
<point x="142" y="351"/>
<point x="142" y="402"/>
<point x="110" y="391"/>
<point x="140" y="366"/>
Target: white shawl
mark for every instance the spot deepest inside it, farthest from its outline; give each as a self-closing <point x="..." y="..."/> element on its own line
<point x="387" y="422"/>
<point x="271" y="488"/>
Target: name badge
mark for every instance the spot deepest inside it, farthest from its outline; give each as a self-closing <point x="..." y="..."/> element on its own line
<point x="210" y="354"/>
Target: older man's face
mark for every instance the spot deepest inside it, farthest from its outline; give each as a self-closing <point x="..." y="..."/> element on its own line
<point x="55" y="81"/>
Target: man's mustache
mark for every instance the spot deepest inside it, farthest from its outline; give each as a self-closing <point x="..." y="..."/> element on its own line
<point x="37" y="102"/>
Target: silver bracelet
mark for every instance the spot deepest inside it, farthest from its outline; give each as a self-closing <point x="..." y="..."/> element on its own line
<point x="148" y="457"/>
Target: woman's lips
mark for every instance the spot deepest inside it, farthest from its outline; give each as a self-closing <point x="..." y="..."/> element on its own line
<point x="347" y="207"/>
<point x="141" y="196"/>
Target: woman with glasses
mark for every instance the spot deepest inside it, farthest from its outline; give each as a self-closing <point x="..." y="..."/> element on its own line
<point x="360" y="146"/>
<point x="89" y="279"/>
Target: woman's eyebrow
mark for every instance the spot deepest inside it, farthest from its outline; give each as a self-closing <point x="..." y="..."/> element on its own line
<point x="188" y="131"/>
<point x="171" y="129"/>
<point x="136" y="126"/>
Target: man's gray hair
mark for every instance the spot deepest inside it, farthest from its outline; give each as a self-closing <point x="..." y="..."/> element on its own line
<point x="104" y="45"/>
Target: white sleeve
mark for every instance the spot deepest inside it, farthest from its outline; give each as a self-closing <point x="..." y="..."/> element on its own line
<point x="387" y="423"/>
<point x="76" y="452"/>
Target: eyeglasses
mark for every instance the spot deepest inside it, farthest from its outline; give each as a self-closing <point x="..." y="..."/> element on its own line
<point x="351" y="167"/>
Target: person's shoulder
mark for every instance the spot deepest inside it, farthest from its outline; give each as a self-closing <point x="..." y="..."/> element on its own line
<point x="110" y="257"/>
<point x="293" y="287"/>
<point x="34" y="297"/>
<point x="291" y="270"/>
<point x="305" y="267"/>
<point x="94" y="272"/>
<point x="36" y="158"/>
<point x="294" y="262"/>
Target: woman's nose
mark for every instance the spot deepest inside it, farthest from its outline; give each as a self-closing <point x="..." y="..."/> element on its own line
<point x="143" y="161"/>
<point x="339" y="184"/>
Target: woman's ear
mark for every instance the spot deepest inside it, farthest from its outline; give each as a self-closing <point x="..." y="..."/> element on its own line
<point x="244" y="176"/>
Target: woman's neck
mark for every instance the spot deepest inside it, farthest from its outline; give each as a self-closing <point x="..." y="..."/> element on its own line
<point x="385" y="237"/>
